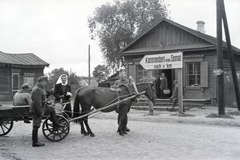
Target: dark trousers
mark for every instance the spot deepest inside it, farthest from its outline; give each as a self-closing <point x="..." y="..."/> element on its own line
<point x="162" y="95"/>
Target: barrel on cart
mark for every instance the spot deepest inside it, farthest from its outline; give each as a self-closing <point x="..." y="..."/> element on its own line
<point x="9" y="114"/>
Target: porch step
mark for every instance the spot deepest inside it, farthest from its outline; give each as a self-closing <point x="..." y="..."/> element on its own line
<point x="158" y="108"/>
<point x="163" y="104"/>
<point x="159" y="102"/>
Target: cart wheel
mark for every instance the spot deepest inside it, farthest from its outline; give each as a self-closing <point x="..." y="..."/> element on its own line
<point x="65" y="115"/>
<point x="55" y="134"/>
<point x="5" y="127"/>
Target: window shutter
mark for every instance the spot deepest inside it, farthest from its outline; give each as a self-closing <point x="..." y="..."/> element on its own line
<point x="204" y="74"/>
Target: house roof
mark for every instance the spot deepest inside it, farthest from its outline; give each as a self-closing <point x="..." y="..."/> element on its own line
<point x="111" y="80"/>
<point x="208" y="38"/>
<point x="114" y="77"/>
<point x="84" y="81"/>
<point x="25" y="59"/>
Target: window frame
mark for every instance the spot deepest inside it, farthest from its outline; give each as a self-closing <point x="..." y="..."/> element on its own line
<point x="18" y="82"/>
<point x="195" y="74"/>
<point x="142" y="71"/>
<point x="194" y="59"/>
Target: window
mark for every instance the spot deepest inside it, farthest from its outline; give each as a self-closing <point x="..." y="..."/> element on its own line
<point x="193" y="74"/>
<point x="29" y="80"/>
<point x="195" y="71"/>
<point x="15" y="81"/>
<point x="141" y="72"/>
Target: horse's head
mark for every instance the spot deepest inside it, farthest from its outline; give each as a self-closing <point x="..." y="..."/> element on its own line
<point x="149" y="89"/>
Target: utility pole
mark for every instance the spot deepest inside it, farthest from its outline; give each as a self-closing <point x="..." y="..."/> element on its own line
<point x="231" y="56"/>
<point x="220" y="77"/>
<point x="89" y="65"/>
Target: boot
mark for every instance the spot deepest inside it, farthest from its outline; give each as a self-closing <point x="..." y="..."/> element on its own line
<point x="127" y="129"/>
<point x="26" y="120"/>
<point x="54" y="120"/>
<point x="35" y="142"/>
<point x="38" y="144"/>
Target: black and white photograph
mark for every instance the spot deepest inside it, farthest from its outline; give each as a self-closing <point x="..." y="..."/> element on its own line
<point x="119" y="79"/>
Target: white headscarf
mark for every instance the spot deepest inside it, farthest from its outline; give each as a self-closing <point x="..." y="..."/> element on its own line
<point x="60" y="81"/>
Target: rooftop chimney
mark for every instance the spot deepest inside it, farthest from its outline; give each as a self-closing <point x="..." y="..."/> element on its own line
<point x="200" y="26"/>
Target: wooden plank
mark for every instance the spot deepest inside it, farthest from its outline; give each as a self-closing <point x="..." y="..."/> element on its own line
<point x="9" y="111"/>
<point x="180" y="91"/>
<point x="204" y="74"/>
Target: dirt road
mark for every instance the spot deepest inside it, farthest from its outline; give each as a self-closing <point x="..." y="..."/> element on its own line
<point x="151" y="137"/>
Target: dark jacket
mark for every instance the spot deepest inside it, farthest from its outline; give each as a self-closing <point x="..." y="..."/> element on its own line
<point x="175" y="91"/>
<point x="58" y="92"/>
<point x="163" y="83"/>
<point x="38" y="96"/>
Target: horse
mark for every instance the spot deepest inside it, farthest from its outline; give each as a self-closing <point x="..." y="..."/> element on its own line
<point x="100" y="97"/>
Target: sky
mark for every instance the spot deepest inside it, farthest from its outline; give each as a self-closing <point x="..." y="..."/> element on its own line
<point x="57" y="30"/>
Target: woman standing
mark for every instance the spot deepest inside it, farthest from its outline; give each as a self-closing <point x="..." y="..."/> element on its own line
<point x="163" y="85"/>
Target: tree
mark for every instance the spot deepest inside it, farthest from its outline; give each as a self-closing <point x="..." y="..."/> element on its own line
<point x="116" y="25"/>
<point x="54" y="75"/>
<point x="100" y="72"/>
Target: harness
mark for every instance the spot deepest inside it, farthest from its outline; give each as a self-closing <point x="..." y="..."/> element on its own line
<point x="130" y="88"/>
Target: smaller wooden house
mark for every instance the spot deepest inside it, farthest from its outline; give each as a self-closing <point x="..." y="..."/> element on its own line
<point x="110" y="81"/>
<point x="199" y="52"/>
<point x="16" y="69"/>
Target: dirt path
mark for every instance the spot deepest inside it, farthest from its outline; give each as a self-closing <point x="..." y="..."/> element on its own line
<point x="162" y="136"/>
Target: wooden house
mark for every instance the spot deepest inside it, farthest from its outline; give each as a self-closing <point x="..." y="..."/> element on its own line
<point x="110" y="81"/>
<point x="16" y="69"/>
<point x="199" y="52"/>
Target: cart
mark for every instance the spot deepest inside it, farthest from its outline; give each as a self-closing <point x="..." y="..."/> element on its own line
<point x="9" y="114"/>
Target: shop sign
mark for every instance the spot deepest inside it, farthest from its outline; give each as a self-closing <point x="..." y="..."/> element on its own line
<point x="162" y="61"/>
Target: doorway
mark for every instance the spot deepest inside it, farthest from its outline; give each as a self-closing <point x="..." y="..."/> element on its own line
<point x="169" y="74"/>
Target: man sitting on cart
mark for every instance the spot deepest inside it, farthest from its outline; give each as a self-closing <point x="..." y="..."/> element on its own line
<point x="39" y="108"/>
<point x="23" y="97"/>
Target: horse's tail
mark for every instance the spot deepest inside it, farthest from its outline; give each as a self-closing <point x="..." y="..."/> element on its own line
<point x="76" y="107"/>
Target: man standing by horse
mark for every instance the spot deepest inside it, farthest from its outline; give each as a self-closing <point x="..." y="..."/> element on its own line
<point x="109" y="99"/>
<point x="123" y="80"/>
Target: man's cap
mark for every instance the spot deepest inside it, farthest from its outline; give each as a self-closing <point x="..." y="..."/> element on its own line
<point x="42" y="78"/>
<point x="26" y="85"/>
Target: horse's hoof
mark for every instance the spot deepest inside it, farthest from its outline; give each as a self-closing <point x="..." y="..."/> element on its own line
<point x="127" y="129"/>
<point x="92" y="135"/>
<point x="124" y="132"/>
<point x="85" y="133"/>
<point x="121" y="133"/>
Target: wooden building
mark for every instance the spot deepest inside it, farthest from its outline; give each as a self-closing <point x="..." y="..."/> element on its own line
<point x="16" y="69"/>
<point x="199" y="57"/>
<point x="110" y="81"/>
